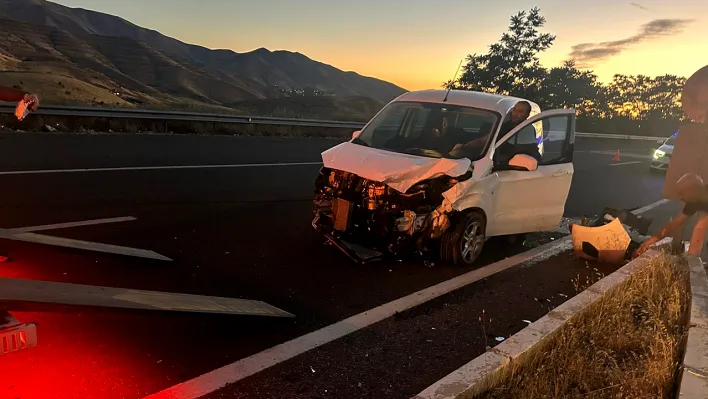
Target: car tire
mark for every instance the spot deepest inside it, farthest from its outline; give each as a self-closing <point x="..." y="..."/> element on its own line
<point x="462" y="244"/>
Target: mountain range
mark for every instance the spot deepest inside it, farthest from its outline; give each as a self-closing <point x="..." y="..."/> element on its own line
<point x="73" y="55"/>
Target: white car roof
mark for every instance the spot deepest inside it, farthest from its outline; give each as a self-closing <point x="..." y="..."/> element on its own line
<point x="475" y="99"/>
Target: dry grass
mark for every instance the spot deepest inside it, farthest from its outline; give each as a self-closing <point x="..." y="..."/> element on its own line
<point x="626" y="345"/>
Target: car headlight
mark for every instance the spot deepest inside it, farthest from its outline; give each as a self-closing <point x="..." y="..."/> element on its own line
<point x="658" y="154"/>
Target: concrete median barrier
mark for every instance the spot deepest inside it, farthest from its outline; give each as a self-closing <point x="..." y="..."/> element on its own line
<point x="694" y="377"/>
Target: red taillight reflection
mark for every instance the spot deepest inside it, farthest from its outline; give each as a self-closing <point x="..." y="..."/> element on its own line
<point x="14" y="342"/>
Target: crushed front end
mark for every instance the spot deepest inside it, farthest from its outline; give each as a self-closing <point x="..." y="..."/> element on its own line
<point x="369" y="220"/>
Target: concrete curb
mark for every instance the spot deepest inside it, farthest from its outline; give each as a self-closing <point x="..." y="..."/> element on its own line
<point x="694" y="378"/>
<point x="472" y="378"/>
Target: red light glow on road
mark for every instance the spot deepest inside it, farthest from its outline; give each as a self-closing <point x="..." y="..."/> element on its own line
<point x="76" y="358"/>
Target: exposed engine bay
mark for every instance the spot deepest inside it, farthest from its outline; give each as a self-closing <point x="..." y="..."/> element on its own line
<point x="357" y="214"/>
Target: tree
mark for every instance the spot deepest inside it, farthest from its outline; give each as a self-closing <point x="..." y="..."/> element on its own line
<point x="642" y="97"/>
<point x="511" y="66"/>
<point x="570" y="87"/>
<point x="664" y="97"/>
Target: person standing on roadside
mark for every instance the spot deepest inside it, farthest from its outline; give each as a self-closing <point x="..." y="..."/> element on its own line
<point x="694" y="194"/>
<point x="31" y="101"/>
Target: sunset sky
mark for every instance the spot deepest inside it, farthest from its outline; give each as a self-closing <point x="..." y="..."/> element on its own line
<point x="417" y="44"/>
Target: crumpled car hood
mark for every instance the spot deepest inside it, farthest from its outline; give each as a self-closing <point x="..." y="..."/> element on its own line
<point x="398" y="171"/>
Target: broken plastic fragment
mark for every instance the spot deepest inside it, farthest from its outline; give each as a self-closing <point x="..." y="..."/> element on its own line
<point x="499" y="339"/>
<point x="526" y="321"/>
<point x="606" y="243"/>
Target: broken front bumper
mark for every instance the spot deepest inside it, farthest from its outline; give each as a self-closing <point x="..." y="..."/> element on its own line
<point x="366" y="235"/>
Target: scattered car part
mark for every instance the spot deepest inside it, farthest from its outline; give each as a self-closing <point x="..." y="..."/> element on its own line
<point x="638" y="223"/>
<point x="15" y="336"/>
<point x="606" y="243"/>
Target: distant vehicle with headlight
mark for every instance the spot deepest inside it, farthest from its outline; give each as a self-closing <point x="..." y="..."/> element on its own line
<point x="662" y="155"/>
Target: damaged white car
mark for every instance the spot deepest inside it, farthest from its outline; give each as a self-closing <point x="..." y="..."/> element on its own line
<point x="441" y="171"/>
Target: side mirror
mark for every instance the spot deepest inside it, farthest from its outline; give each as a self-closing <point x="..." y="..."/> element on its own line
<point x="523" y="162"/>
<point x="356" y="134"/>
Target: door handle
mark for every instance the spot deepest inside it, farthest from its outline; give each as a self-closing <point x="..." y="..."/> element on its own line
<point x="561" y="173"/>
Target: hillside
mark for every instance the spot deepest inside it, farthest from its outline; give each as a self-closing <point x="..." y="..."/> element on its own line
<point x="358" y="109"/>
<point x="114" y="65"/>
<point x="191" y="70"/>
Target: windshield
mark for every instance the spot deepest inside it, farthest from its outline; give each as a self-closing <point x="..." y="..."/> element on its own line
<point x="431" y="130"/>
<point x="671" y="140"/>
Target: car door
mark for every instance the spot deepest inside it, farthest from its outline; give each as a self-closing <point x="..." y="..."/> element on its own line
<point x="528" y="201"/>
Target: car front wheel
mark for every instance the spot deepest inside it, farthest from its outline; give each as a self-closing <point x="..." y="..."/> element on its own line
<point x="463" y="243"/>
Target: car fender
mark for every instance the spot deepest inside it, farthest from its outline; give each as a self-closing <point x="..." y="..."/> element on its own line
<point x="474" y="194"/>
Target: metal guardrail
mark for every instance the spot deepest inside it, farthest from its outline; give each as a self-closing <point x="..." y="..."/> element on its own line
<point x="619" y="136"/>
<point x="123" y="113"/>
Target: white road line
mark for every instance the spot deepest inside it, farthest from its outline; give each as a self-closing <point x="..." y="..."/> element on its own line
<point x="134" y="168"/>
<point x="234" y="372"/>
<point x="85" y="245"/>
<point x="25" y="234"/>
<point x="625" y="163"/>
<point x="246" y="367"/>
<point x="69" y="224"/>
<point x="650" y="206"/>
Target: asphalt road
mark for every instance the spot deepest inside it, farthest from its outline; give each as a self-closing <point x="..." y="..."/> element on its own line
<point x="235" y="232"/>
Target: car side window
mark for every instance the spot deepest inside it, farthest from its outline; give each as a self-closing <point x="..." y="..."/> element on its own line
<point x="525" y="136"/>
<point x="547" y="140"/>
<point x="522" y="142"/>
<point x="555" y="147"/>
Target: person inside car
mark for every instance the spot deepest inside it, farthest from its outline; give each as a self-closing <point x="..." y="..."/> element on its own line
<point x="436" y="136"/>
<point x="519" y="113"/>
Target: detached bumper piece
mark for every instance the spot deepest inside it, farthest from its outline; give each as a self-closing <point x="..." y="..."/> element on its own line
<point x="342" y="221"/>
<point x="15" y="336"/>
<point x="355" y="252"/>
<point x="612" y="237"/>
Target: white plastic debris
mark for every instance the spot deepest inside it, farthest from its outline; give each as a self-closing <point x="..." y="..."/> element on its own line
<point x="527" y="321"/>
<point x="499" y="339"/>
